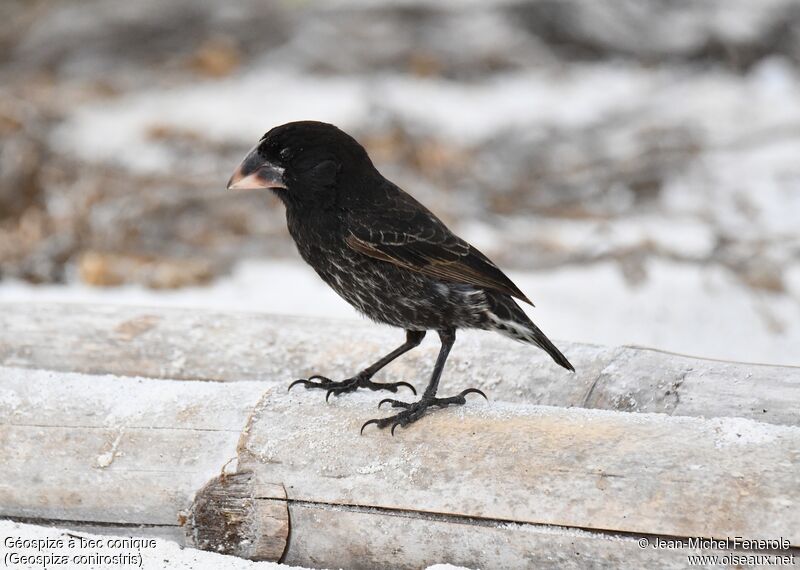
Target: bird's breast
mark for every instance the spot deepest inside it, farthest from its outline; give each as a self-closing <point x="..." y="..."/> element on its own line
<point x="390" y="294"/>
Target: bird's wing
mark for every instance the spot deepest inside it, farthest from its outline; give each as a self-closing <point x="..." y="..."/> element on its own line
<point x="410" y="236"/>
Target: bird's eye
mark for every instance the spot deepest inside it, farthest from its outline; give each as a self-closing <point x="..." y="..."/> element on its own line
<point x="285" y="153"/>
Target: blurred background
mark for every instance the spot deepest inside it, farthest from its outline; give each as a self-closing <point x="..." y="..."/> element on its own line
<point x="634" y="165"/>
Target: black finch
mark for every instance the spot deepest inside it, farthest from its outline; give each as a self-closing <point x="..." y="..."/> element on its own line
<point x="384" y="253"/>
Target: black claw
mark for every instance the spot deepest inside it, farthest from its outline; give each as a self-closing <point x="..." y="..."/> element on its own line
<point x="367" y="423"/>
<point x="409" y="386"/>
<point x="394" y="403"/>
<point x="399" y="404"/>
<point x="473" y="391"/>
<point x="390" y="386"/>
<point x="349" y="385"/>
<point x="415" y="410"/>
<point x="307" y="382"/>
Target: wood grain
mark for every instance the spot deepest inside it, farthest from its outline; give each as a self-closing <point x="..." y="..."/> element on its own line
<point x="636" y="473"/>
<point x="158" y="417"/>
<point x="227" y="347"/>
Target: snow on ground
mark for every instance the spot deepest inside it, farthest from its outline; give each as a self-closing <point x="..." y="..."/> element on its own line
<point x="681" y="307"/>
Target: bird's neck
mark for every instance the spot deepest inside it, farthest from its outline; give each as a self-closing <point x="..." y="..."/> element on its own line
<point x="313" y="224"/>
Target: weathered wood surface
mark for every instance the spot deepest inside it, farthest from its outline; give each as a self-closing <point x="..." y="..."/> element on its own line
<point x="185" y="344"/>
<point x="125" y="451"/>
<point x="229" y="515"/>
<point x="360" y="540"/>
<point x="481" y="485"/>
<point x="640" y="473"/>
<point x="509" y="546"/>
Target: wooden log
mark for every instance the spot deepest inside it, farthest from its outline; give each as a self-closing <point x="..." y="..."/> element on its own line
<point x="369" y="539"/>
<point x="650" y="380"/>
<point x="639" y="473"/>
<point x="192" y="345"/>
<point x="481" y="485"/>
<point x="229" y="515"/>
<point x="122" y="451"/>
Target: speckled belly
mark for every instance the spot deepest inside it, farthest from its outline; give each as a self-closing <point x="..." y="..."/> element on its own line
<point x="389" y="294"/>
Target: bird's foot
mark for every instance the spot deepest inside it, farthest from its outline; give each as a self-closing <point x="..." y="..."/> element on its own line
<point x="415" y="410"/>
<point x="349" y="385"/>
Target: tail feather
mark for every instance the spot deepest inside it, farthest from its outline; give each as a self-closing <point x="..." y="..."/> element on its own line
<point x="506" y="317"/>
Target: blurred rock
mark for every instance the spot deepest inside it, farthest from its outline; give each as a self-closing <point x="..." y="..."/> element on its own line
<point x="21" y="156"/>
<point x="604" y="170"/>
<point x="419" y="38"/>
<point x="113" y="269"/>
<point x="433" y="158"/>
<point x="216" y="57"/>
<point x="35" y="248"/>
<point x="120" y="40"/>
<point x="734" y="33"/>
<point x="758" y="265"/>
<point x="16" y="16"/>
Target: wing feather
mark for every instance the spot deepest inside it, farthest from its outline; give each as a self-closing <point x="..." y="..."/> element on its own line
<point x="407" y="234"/>
<point x="445" y="257"/>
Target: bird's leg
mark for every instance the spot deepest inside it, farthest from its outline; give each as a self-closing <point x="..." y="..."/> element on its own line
<point x="415" y="410"/>
<point x="364" y="378"/>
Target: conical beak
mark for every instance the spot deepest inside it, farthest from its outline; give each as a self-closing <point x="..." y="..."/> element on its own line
<point x="254" y="174"/>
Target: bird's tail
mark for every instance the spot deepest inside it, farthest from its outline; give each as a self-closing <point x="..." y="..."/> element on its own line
<point x="506" y="317"/>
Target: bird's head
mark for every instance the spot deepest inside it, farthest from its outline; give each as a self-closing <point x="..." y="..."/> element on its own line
<point x="302" y="163"/>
